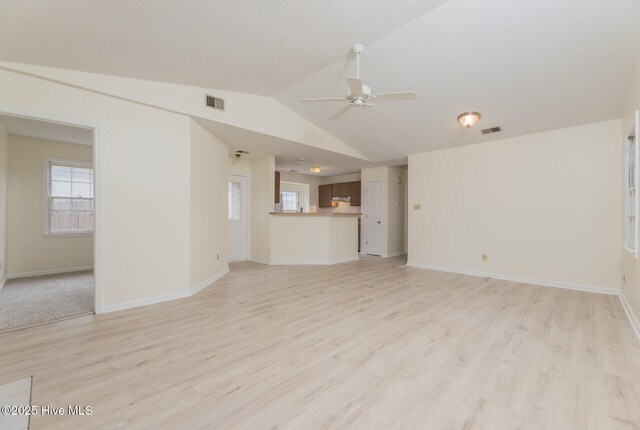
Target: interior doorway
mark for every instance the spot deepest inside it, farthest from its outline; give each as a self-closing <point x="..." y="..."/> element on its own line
<point x="238" y="217"/>
<point x="47" y="220"/>
<point x="373" y="218"/>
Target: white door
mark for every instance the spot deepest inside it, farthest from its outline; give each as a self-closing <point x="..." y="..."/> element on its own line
<point x="238" y="215"/>
<point x="373" y="217"/>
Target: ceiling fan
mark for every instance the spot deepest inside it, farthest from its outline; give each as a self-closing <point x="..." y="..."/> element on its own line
<point x="359" y="95"/>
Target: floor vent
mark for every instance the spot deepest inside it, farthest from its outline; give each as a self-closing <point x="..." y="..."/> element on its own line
<point x="215" y="102"/>
<point x="491" y="130"/>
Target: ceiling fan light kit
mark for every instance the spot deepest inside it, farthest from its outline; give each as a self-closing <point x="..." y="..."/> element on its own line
<point x="360" y="95"/>
<point x="468" y="119"/>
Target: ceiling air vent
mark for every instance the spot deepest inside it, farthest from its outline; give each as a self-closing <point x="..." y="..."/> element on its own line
<point x="215" y="102"/>
<point x="491" y="130"/>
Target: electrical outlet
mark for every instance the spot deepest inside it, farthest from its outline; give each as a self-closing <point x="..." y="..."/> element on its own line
<point x="484" y="257"/>
<point x="417" y="207"/>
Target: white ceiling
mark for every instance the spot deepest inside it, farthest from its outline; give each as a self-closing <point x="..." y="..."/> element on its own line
<point x="250" y="46"/>
<point x="286" y="152"/>
<point x="38" y="129"/>
<point x="528" y="66"/>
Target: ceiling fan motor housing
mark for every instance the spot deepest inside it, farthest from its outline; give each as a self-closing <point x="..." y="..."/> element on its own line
<point x="366" y="93"/>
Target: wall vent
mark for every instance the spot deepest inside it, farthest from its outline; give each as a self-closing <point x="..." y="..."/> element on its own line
<point x="491" y="130"/>
<point x="215" y="102"/>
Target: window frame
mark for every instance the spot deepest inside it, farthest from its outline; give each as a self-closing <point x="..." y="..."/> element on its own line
<point x="298" y="198"/>
<point x="631" y="209"/>
<point x="47" y="198"/>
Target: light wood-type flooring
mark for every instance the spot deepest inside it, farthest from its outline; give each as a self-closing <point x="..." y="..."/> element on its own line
<point x="371" y="344"/>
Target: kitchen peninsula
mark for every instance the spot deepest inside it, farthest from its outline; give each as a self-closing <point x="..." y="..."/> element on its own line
<point x="314" y="237"/>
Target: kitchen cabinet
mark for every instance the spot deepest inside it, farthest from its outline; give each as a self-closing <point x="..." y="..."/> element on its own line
<point x="324" y="196"/>
<point x="340" y="190"/>
<point x="277" y="194"/>
<point x="355" y="193"/>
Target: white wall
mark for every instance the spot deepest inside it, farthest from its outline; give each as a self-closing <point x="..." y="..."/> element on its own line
<point x="544" y="206"/>
<point x="349" y="177"/>
<point x="630" y="265"/>
<point x="28" y="249"/>
<point x="239" y="167"/>
<point x="4" y="157"/>
<point x="262" y="202"/>
<point x="251" y="112"/>
<point x="143" y="190"/>
<point x="208" y="198"/>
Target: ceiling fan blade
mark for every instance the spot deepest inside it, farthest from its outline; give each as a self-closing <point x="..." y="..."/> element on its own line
<point x="324" y="100"/>
<point x="402" y="95"/>
<point x="355" y="86"/>
<point x="341" y="112"/>
<point x="379" y="107"/>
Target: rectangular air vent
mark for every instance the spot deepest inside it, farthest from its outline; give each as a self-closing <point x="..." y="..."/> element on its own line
<point x="491" y="130"/>
<point x="215" y="102"/>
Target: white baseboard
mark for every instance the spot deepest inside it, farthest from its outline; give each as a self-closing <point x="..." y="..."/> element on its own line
<point x="49" y="272"/>
<point x="633" y="319"/>
<point x="163" y="298"/>
<point x="394" y="254"/>
<point x="211" y="280"/>
<point x="521" y="279"/>
<point x="311" y="262"/>
<point x="143" y="302"/>
<point x="259" y="260"/>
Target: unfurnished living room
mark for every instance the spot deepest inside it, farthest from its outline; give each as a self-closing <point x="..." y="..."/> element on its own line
<point x="319" y="214"/>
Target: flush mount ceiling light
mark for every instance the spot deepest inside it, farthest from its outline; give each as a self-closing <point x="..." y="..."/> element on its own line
<point x="315" y="170"/>
<point x="301" y="160"/>
<point x="468" y="118"/>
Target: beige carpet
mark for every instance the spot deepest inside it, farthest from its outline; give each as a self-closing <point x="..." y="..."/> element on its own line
<point x="28" y="301"/>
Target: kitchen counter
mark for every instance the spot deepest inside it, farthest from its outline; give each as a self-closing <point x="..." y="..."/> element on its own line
<point x="316" y="213"/>
<point x="314" y="237"/>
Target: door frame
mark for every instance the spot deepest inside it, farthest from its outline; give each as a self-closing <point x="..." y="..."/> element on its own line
<point x="97" y="197"/>
<point x="365" y="235"/>
<point x="248" y="178"/>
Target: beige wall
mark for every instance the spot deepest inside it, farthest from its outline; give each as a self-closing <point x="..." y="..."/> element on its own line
<point x="239" y="167"/>
<point x="28" y="249"/>
<point x="349" y="177"/>
<point x="630" y="265"/>
<point x="545" y="206"/>
<point x="262" y="202"/>
<point x="208" y="201"/>
<point x="143" y="189"/>
<point x="4" y="157"/>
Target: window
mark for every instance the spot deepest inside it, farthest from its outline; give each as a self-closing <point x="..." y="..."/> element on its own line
<point x="631" y="194"/>
<point x="233" y="201"/>
<point x="290" y="201"/>
<point x="69" y="197"/>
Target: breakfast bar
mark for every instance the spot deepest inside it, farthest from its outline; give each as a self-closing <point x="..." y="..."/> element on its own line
<point x="314" y="237"/>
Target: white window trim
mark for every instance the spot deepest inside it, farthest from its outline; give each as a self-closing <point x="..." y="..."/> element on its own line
<point x="46" y="190"/>
<point x="636" y="166"/>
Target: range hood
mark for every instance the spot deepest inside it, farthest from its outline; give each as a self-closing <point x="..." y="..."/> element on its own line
<point x="341" y="199"/>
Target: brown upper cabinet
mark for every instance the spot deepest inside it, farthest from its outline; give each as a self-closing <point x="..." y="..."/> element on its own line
<point x="324" y="196"/>
<point x="343" y="189"/>
<point x="340" y="190"/>
<point x="355" y="192"/>
<point x="277" y="195"/>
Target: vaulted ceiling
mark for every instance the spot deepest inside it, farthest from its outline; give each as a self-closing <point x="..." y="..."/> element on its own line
<point x="527" y="66"/>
